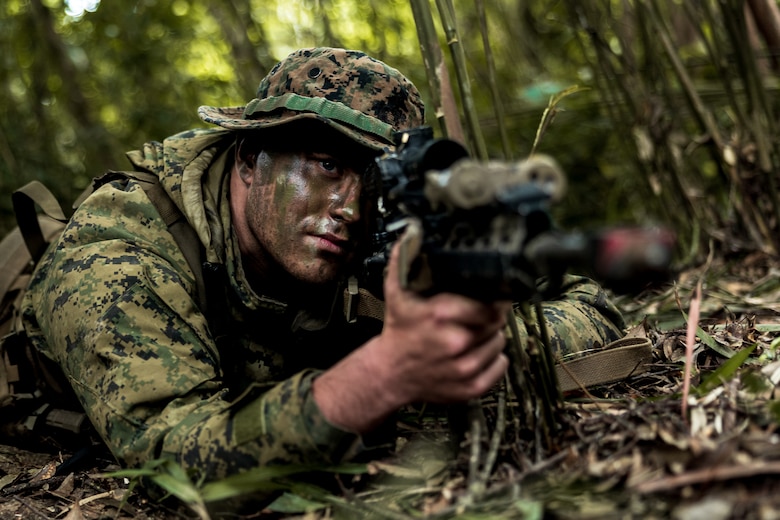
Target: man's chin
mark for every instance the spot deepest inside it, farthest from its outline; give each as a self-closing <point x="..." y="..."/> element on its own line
<point x="325" y="276"/>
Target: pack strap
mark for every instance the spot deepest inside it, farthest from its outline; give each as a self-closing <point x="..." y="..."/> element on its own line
<point x="16" y="261"/>
<point x="24" y="200"/>
<point x="14" y="258"/>
<point x="183" y="233"/>
<point x="617" y="360"/>
<point x="360" y="302"/>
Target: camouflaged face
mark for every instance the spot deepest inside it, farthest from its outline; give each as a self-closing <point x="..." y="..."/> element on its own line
<point x="348" y="90"/>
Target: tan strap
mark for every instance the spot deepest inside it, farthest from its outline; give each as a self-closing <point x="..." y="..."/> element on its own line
<point x="360" y="302"/>
<point x="14" y="258"/>
<point x="24" y="200"/>
<point x="618" y="360"/>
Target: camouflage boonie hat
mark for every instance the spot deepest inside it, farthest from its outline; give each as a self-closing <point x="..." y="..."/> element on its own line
<point x="347" y="90"/>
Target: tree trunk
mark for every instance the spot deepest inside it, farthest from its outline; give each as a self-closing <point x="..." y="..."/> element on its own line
<point x="234" y="19"/>
<point x="92" y="134"/>
<point x="766" y="19"/>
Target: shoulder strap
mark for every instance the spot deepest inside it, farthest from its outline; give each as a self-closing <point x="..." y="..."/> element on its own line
<point x="183" y="233"/>
<point x="360" y="302"/>
<point x="24" y="200"/>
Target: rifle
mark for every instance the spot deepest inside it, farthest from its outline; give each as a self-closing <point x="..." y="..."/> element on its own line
<point x="484" y="230"/>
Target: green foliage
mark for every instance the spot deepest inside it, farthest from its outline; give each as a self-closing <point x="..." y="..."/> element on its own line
<point x="298" y="495"/>
<point x="677" y="124"/>
<point x="78" y="91"/>
<point x="725" y="371"/>
<point x="172" y="479"/>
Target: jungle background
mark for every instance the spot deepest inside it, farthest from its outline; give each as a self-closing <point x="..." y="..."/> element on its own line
<point x="673" y="122"/>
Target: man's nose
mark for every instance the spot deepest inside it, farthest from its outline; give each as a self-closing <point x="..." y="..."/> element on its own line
<point x="346" y="201"/>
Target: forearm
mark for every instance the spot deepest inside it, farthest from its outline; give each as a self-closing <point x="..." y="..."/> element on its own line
<point x="357" y="394"/>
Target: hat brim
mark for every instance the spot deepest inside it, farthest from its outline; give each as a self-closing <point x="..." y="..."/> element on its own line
<point x="232" y="118"/>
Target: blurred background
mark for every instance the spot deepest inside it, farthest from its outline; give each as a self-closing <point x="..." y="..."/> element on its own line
<point x="673" y="121"/>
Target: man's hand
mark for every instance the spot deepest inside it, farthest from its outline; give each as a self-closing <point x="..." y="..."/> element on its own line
<point x="443" y="349"/>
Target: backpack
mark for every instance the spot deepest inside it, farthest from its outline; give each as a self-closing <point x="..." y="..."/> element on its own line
<point x="31" y="395"/>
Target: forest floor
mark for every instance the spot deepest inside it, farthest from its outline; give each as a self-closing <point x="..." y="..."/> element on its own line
<point x="625" y="450"/>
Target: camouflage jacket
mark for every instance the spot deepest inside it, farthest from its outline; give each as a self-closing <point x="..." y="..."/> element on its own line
<point x="114" y="304"/>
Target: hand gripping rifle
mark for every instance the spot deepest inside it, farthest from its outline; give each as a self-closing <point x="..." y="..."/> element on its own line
<point x="483" y="229"/>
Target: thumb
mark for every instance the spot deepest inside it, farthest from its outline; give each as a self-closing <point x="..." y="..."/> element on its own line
<point x="402" y="255"/>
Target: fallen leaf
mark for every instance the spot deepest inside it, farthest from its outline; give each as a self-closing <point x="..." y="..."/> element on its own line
<point x="75" y="513"/>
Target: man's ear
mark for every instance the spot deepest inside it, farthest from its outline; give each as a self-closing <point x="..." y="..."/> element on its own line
<point x="246" y="162"/>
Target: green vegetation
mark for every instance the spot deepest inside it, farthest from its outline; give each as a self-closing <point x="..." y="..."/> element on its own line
<point x="675" y="122"/>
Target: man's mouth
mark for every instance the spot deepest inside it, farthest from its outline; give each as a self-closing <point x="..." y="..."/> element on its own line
<point x="331" y="243"/>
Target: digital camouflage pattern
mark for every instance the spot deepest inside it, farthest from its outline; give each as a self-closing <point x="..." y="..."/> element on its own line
<point x="348" y="90"/>
<point x="114" y="304"/>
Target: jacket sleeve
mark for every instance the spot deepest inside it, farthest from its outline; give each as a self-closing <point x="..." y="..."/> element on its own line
<point x="581" y="318"/>
<point x="112" y="304"/>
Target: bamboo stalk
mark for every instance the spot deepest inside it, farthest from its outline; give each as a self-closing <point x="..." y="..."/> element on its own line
<point x="706" y="121"/>
<point x="445" y="108"/>
<point x="759" y="124"/>
<point x="716" y="52"/>
<point x="498" y="106"/>
<point x="542" y="399"/>
<point x="618" y="101"/>
<point x="474" y="132"/>
<point x="699" y="110"/>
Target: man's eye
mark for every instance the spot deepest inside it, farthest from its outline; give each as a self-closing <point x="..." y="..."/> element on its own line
<point x="329" y="164"/>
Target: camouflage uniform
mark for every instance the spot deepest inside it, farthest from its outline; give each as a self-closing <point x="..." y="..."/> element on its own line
<point x="114" y="302"/>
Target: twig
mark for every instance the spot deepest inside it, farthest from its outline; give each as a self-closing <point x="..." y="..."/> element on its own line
<point x="709" y="474"/>
<point x="498" y="434"/>
<point x="117" y="494"/>
<point x="27" y="486"/>
<point x="690" y="340"/>
<point x="32" y="509"/>
<point x="474" y="456"/>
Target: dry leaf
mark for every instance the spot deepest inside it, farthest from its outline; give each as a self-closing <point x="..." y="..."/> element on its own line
<point x="75" y="513"/>
<point x="46" y="472"/>
<point x="67" y="486"/>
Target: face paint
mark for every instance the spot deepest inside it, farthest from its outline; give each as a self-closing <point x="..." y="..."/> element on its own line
<point x="303" y="209"/>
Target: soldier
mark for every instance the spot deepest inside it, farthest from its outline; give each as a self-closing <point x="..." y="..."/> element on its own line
<point x="269" y="372"/>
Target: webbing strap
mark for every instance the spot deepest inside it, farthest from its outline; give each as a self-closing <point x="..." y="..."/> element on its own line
<point x="323" y="107"/>
<point x="14" y="258"/>
<point x="618" y="360"/>
<point x="360" y="302"/>
<point x="183" y="233"/>
<point x="24" y="200"/>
